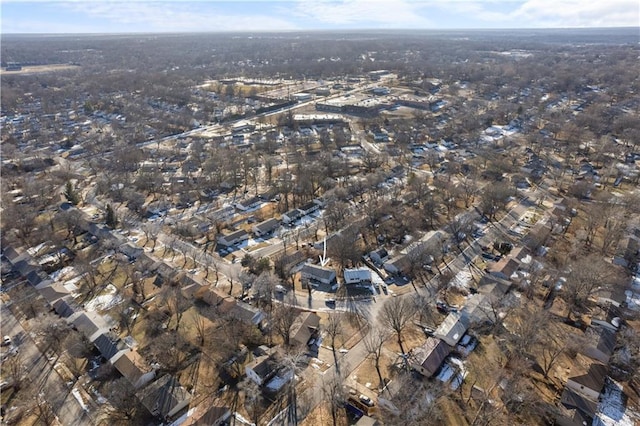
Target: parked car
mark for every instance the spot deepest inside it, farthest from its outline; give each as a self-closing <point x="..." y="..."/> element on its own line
<point x="6" y="341"/>
<point x="366" y="400"/>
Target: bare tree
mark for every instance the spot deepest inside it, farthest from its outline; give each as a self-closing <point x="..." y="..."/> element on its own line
<point x="253" y="400"/>
<point x="589" y="275"/>
<point x="44" y="410"/>
<point x="334" y="394"/>
<point x="201" y="326"/>
<point x="373" y="343"/>
<point x="395" y="315"/>
<point x="263" y="289"/>
<point x="494" y="199"/>
<point x="175" y="302"/>
<point x="283" y="317"/>
<point x="551" y="350"/>
<point x="415" y="402"/>
<point x="123" y="404"/>
<point x="334" y="330"/>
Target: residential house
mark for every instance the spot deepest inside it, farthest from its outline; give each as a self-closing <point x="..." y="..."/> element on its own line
<point x="357" y="276"/>
<point x="133" y="367"/>
<point x="131" y="250"/>
<point x="53" y="292"/>
<point x="233" y="238"/>
<point x="165" y="397"/>
<point x="261" y="369"/>
<point x="65" y="307"/>
<point x="291" y="216"/>
<point x="304" y="327"/>
<point x="583" y="388"/>
<point x="367" y="421"/>
<point x="265" y="227"/>
<point x="291" y="260"/>
<point x="475" y="309"/>
<point x="90" y="324"/>
<point x="318" y="274"/>
<point x="251" y="203"/>
<point x="599" y="344"/>
<point x="309" y="208"/>
<point x="452" y="329"/>
<point x="413" y="252"/>
<point x="379" y="256"/>
<point x="628" y="251"/>
<point x="108" y="344"/>
<point x="207" y="413"/>
<point x="427" y="358"/>
<point x="276" y="383"/>
<point x="493" y="285"/>
<point x="537" y="236"/>
<point x="575" y="409"/>
<point x="505" y="268"/>
<point x="591" y="382"/>
<point x="216" y="298"/>
<point x="246" y="313"/>
<point x="222" y="214"/>
<point x="397" y="265"/>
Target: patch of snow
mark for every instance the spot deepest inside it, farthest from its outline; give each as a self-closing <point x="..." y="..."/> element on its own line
<point x="612" y="410"/>
<point x="104" y="301"/>
<point x="243" y="420"/>
<point x="34" y="250"/>
<point x="76" y="394"/>
<point x="446" y="373"/>
<point x="71" y="284"/>
<point x="461" y="280"/>
<point x="63" y="273"/>
<point x="633" y="300"/>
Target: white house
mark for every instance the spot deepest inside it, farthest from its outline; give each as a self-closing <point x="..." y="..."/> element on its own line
<point x="265" y="227"/>
<point x="357" y="275"/>
<point x="233" y="238"/>
<point x="301" y="97"/>
<point x="261" y="369"/>
<point x="133" y="367"/>
<point x="379" y="256"/>
<point x="452" y="328"/>
<point x="396" y="265"/>
<point x="291" y="216"/>
<point x="316" y="273"/>
<point x="248" y="204"/>
<point x="309" y="208"/>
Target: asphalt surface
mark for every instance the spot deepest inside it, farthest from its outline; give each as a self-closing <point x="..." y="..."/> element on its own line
<point x="40" y="372"/>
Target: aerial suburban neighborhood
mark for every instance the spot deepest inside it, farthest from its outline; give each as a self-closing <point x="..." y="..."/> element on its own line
<point x="398" y="228"/>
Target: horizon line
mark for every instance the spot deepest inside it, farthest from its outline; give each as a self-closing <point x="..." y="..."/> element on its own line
<point x="321" y="30"/>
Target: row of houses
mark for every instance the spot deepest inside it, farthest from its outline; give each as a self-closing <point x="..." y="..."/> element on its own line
<point x="402" y="262"/>
<point x="269" y="226"/>
<point x="494" y="285"/>
<point x="163" y="396"/>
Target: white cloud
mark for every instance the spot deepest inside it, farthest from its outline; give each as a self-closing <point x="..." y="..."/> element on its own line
<point x="177" y="16"/>
<point x="580" y="13"/>
<point x="364" y="13"/>
<point x="547" y="13"/>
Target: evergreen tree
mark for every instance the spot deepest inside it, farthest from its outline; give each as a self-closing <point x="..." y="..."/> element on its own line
<point x="71" y="195"/>
<point x="110" y="217"/>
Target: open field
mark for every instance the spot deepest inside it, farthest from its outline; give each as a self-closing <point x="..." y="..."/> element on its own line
<point x="38" y="69"/>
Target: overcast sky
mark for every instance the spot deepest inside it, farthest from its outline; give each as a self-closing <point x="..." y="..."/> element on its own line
<point x="106" y="16"/>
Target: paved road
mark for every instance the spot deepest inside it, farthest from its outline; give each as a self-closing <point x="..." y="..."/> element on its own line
<point x="41" y="373"/>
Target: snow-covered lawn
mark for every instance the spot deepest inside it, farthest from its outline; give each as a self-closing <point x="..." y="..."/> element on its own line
<point x="106" y="300"/>
<point x="612" y="410"/>
<point x="461" y="280"/>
